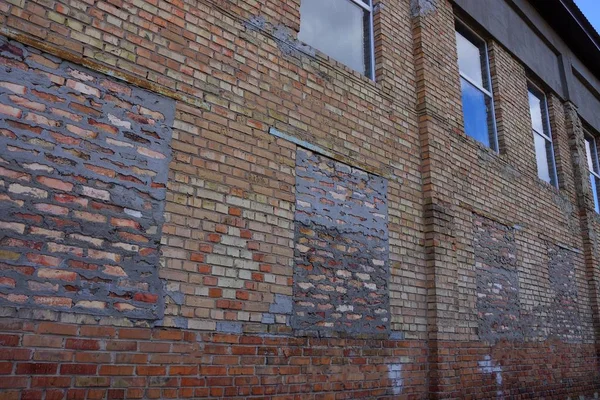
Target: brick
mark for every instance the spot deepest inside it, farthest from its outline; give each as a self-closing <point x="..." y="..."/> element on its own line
<point x="95" y="193"/>
<point x="53" y="301"/>
<point x="83" y="88"/>
<point x="36" y="368"/>
<point x="67" y="198"/>
<point x="12" y="382"/>
<point x="10" y="111"/>
<point x="9" y="340"/>
<point x="84" y="133"/>
<point x="121" y="222"/>
<point x="146" y="297"/>
<point x="78" y="369"/>
<point x="151" y="370"/>
<point x="55" y="183"/>
<point x="42" y="341"/>
<point x="28" y="191"/>
<point x="13" y="226"/>
<point x="82" y="344"/>
<point x="96" y="218"/>
<point x="16" y="354"/>
<point x="116" y="370"/>
<point x="44" y="260"/>
<point x="51" y="209"/>
<point x="13" y="87"/>
<point x="14" y="174"/>
<point x="60" y="329"/>
<point x="50" y="382"/>
<point x="4" y="281"/>
<point x="21" y="102"/>
<point x="125" y="333"/>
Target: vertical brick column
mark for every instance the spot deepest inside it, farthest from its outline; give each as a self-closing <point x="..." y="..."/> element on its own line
<point x="439" y="114"/>
<point x="589" y="220"/>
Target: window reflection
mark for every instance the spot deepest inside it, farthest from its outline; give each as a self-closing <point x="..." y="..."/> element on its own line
<point x="469" y="59"/>
<point x="535" y="109"/>
<point x="338" y="28"/>
<point x="476" y="115"/>
<point x="478" y="108"/>
<point x="592" y="157"/>
<point x="542" y="137"/>
<point x="542" y="156"/>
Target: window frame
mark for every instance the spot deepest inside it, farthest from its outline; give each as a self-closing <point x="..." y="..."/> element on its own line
<point x="595" y="170"/>
<point x="541" y="95"/>
<point x="459" y="26"/>
<point x="369" y="72"/>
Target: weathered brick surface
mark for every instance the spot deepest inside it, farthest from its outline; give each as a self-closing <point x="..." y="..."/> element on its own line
<point x="341" y="271"/>
<point x="228" y="244"/>
<point x="465" y="182"/>
<point x="498" y="304"/>
<point x="565" y="321"/>
<point x="84" y="172"/>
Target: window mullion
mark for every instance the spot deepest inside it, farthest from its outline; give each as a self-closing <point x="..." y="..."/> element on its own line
<point x="481" y="89"/>
<point x="548" y="138"/>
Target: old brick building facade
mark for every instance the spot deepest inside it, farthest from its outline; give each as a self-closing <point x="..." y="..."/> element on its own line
<point x="198" y="201"/>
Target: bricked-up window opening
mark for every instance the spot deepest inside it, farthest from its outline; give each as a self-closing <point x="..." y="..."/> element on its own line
<point x="542" y="137"/>
<point x="341" y="254"/>
<point x="591" y="151"/>
<point x="342" y="29"/>
<point x="475" y="82"/>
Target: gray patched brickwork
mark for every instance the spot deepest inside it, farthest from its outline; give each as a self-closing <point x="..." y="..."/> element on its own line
<point x="564" y="313"/>
<point x="497" y="280"/>
<point x="341" y="252"/>
<point x="83" y="174"/>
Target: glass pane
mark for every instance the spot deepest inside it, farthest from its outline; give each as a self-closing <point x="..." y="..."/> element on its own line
<point x="592" y="154"/>
<point x="477" y="114"/>
<point x="594" y="183"/>
<point x="470" y="58"/>
<point x="588" y="152"/>
<point x="337" y="28"/>
<point x="545" y="158"/>
<point x="535" y="109"/>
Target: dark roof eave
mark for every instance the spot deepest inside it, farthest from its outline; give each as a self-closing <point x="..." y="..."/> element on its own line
<point x="574" y="28"/>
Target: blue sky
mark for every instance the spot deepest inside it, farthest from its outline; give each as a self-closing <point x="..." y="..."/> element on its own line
<point x="591" y="9"/>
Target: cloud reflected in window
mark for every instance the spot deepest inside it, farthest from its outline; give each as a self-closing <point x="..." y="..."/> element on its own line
<point x="338" y="28"/>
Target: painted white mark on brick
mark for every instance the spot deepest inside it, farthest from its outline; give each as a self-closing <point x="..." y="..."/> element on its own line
<point x="487" y="367"/>
<point x="395" y="376"/>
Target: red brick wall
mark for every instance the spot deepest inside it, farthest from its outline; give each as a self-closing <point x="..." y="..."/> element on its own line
<point x="103" y="362"/>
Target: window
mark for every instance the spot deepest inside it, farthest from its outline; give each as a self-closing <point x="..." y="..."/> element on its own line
<point x="477" y="102"/>
<point x="542" y="137"/>
<point x="591" y="151"/>
<point x="342" y="29"/>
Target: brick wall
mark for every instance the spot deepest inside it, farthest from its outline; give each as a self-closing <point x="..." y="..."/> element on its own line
<point x="104" y="362"/>
<point x="506" y="246"/>
<point x="194" y="133"/>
